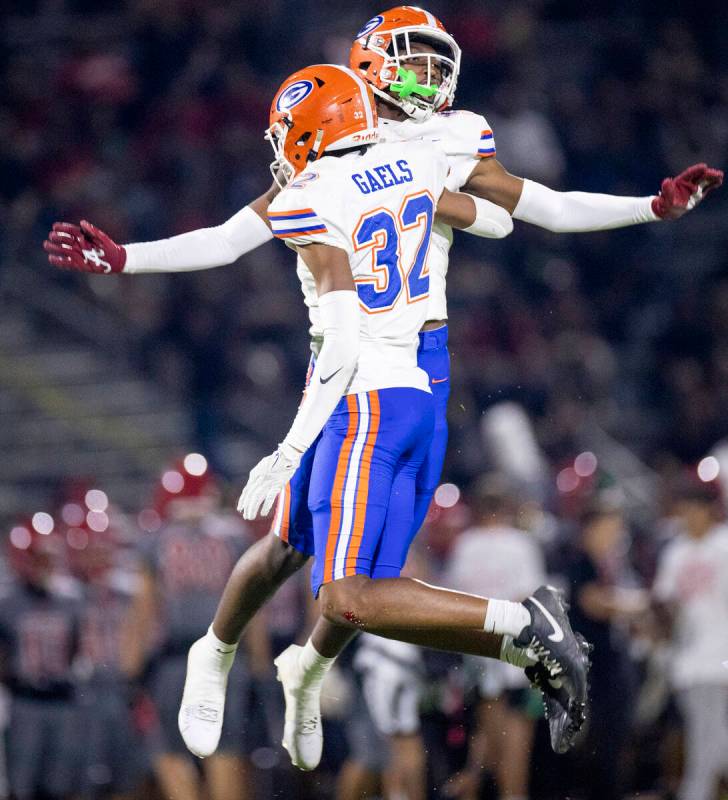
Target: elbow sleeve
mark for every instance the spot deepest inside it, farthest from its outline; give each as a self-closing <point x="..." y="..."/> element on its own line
<point x="339" y="316"/>
<point x="335" y="366"/>
<point x="491" y="221"/>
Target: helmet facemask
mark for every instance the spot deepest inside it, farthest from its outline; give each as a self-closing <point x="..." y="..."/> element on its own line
<point x="281" y="168"/>
<point x="399" y="57"/>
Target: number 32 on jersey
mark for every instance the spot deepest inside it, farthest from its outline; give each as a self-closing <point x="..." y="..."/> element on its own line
<point x="386" y="233"/>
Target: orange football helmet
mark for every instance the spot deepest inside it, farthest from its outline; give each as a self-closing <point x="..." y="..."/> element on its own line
<point x="384" y="46"/>
<point x="317" y="110"/>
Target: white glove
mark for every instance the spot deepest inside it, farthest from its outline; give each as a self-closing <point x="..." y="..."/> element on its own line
<point x="266" y="480"/>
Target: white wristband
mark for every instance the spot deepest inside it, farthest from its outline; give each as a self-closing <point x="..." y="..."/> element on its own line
<point x="491" y="221"/>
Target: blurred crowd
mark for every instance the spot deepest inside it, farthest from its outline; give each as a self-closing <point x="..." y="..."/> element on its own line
<point x="588" y="369"/>
<point x="147" y="119"/>
<point x="99" y="608"/>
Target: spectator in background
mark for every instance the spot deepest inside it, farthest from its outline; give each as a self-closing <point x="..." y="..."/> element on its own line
<point x="186" y="563"/>
<point x="527" y="139"/>
<point x="38" y="643"/>
<point x="113" y="760"/>
<point x="604" y="600"/>
<point x="496" y="557"/>
<point x="391" y="677"/>
<point x="691" y="593"/>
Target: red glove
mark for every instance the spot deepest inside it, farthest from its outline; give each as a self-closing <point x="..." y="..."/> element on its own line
<point x="680" y="195"/>
<point x="84" y="248"/>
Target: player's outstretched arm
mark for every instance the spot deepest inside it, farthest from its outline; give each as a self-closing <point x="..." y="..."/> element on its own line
<point x="339" y="314"/>
<point x="86" y="248"/>
<point x="574" y="212"/>
<point x="473" y="215"/>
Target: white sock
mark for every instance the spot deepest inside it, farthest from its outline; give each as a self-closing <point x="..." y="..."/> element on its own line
<point x="503" y="616"/>
<point x="221" y="653"/>
<point x="518" y="656"/>
<point x="314" y="665"/>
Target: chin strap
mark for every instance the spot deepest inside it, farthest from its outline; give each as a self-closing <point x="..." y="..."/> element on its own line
<point x="407" y="85"/>
<point x="313" y="152"/>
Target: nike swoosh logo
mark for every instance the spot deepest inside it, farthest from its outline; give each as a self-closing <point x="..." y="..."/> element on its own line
<point x="558" y="634"/>
<point x="439" y="380"/>
<point x="326" y="380"/>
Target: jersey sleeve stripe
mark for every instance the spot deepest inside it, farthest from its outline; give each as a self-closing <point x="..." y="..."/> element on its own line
<point x="292" y="214"/>
<point x="288" y="232"/>
<point x="295" y="222"/>
<point x="487" y="144"/>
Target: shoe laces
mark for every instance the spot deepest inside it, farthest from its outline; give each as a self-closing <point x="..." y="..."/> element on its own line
<point x="206" y="713"/>
<point x="552" y="664"/>
<point x="309" y="725"/>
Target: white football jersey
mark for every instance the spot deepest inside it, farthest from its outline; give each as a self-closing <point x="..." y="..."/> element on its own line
<point x="693" y="576"/>
<point x="379" y="208"/>
<point x="465" y="138"/>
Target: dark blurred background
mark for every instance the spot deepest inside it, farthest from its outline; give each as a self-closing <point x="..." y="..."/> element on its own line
<point x="147" y="118"/>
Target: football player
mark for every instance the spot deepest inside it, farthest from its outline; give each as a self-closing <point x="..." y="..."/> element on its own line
<point x="412" y="40"/>
<point x="360" y="217"/>
<point x="691" y="585"/>
<point x="39" y="619"/>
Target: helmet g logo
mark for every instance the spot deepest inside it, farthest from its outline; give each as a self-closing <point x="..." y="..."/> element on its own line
<point x="373" y="23"/>
<point x="292" y="95"/>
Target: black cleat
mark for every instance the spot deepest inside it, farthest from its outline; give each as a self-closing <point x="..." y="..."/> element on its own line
<point x="554" y="644"/>
<point x="566" y="715"/>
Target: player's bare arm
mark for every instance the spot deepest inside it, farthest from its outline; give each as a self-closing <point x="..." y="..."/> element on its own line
<point x="573" y="212"/>
<point x="329" y="266"/>
<point x="86" y="248"/>
<point x="474" y="215"/>
<point x="491" y="181"/>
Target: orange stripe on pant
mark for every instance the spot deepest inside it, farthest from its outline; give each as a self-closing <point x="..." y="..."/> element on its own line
<point x="362" y="491"/>
<point x="285" y="521"/>
<point x="337" y="492"/>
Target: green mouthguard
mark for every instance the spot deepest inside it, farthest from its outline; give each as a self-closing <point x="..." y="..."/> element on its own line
<point x="408" y="85"/>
